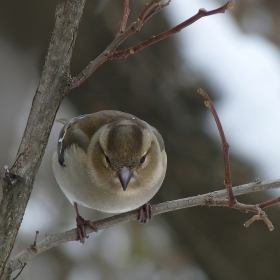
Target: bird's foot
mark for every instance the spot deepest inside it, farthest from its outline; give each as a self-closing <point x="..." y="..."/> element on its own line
<point x="81" y="222"/>
<point x="145" y="213"/>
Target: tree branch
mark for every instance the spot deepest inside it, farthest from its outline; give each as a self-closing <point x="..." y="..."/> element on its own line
<point x="149" y="10"/>
<point x="201" y="13"/>
<point x="232" y="201"/>
<point x="228" y="182"/>
<point x="216" y="198"/>
<point x="54" y="84"/>
<point x="19" y="272"/>
<point x="125" y="15"/>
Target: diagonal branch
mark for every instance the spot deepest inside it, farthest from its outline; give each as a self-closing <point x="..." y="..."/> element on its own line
<point x="149" y="10"/>
<point x="152" y="8"/>
<point x="217" y="198"/>
<point x="269" y="202"/>
<point x="201" y="13"/>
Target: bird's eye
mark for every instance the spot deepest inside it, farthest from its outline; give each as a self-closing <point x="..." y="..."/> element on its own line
<point x="107" y="159"/>
<point x="143" y="158"/>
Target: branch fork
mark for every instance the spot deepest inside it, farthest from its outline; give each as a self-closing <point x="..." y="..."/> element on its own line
<point x="231" y="201"/>
<point x="148" y="11"/>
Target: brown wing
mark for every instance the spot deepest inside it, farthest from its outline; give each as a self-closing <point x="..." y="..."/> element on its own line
<point x="80" y="130"/>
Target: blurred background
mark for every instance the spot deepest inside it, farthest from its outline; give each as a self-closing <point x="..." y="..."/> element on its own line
<point x="235" y="58"/>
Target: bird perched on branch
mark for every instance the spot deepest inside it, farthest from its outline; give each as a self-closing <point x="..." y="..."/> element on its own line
<point x="109" y="161"/>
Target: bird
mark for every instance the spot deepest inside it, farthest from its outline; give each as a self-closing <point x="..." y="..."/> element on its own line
<point x="109" y="161"/>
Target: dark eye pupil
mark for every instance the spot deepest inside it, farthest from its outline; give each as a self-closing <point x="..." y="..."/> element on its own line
<point x="107" y="159"/>
<point x="143" y="158"/>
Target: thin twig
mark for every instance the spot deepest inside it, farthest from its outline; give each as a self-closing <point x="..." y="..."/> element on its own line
<point x="227" y="182"/>
<point x="125" y="15"/>
<point x="201" y="13"/>
<point x="232" y="202"/>
<point x="20" y="271"/>
<point x="217" y="198"/>
<point x="152" y="8"/>
<point x="269" y="202"/>
<point x="149" y="10"/>
<point x="33" y="246"/>
<point x="260" y="216"/>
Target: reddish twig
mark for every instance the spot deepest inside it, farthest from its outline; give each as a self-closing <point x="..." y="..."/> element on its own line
<point x="227" y="181"/>
<point x="231" y="201"/>
<point x="149" y="10"/>
<point x="152" y="8"/>
<point x="33" y="246"/>
<point x="125" y="15"/>
<point x="20" y="271"/>
<point x="263" y="216"/>
<point x="269" y="202"/>
<point x="201" y="13"/>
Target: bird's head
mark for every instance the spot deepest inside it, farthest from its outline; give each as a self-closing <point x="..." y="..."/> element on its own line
<point x="124" y="154"/>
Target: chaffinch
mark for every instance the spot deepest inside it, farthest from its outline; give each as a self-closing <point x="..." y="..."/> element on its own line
<point x="109" y="161"/>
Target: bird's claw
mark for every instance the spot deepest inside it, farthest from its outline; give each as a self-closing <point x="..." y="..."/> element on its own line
<point x="145" y="213"/>
<point x="81" y="222"/>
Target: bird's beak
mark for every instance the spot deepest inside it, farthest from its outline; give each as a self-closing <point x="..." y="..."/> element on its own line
<point x="124" y="175"/>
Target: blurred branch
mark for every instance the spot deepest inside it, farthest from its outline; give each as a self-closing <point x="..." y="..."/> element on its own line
<point x="216" y="198"/>
<point x="20" y="272"/>
<point x="149" y="10"/>
<point x="201" y="13"/>
<point x="227" y="182"/>
<point x="125" y="15"/>
<point x="232" y="201"/>
<point x="269" y="202"/>
<point x="53" y="85"/>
